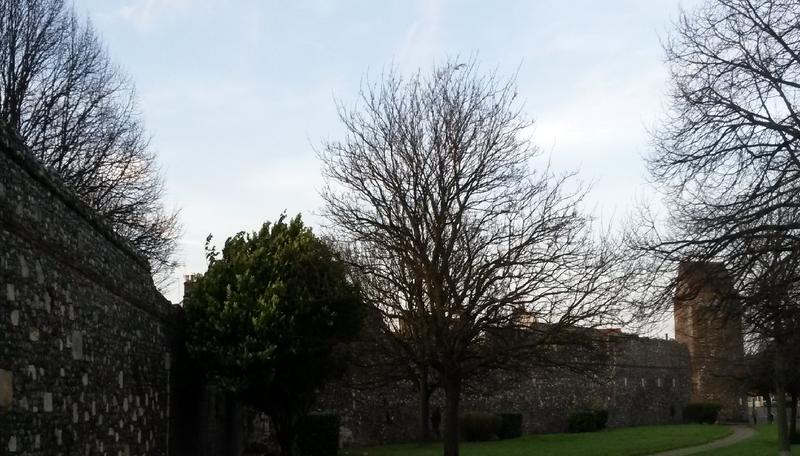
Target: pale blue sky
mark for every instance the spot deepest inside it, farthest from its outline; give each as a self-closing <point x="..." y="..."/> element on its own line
<point x="236" y="94"/>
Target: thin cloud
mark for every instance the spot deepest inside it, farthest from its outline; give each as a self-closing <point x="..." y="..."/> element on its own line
<point x="419" y="46"/>
<point x="142" y="14"/>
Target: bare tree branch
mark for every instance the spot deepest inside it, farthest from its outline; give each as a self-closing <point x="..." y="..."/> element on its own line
<point x="474" y="259"/>
<point x="77" y="112"/>
<point x="726" y="160"/>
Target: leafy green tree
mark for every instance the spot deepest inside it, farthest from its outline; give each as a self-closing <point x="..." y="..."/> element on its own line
<point x="267" y="316"/>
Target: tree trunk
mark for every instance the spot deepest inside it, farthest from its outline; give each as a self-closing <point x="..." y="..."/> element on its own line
<point x="285" y="442"/>
<point x="452" y="390"/>
<point x="235" y="425"/>
<point x="784" y="448"/>
<point x="285" y="429"/>
<point x="793" y="415"/>
<point x="424" y="408"/>
<point x="768" y="404"/>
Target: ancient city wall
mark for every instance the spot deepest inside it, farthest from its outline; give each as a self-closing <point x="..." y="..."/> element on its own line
<point x="91" y="360"/>
<point x="84" y="335"/>
<point x="647" y="382"/>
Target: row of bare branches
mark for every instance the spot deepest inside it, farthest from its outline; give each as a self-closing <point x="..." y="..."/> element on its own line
<point x="725" y="159"/>
<point x="77" y="112"/>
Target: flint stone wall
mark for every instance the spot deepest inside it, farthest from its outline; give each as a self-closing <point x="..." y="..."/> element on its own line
<point x="647" y="382"/>
<point x="84" y="334"/>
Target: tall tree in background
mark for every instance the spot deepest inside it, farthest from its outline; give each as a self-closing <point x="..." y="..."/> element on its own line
<point x="77" y="113"/>
<point x="475" y="258"/>
<point x="726" y="158"/>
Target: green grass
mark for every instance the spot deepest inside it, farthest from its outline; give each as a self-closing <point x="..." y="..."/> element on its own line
<point x="765" y="443"/>
<point x="617" y="442"/>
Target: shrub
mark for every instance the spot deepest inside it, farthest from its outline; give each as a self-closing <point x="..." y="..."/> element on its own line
<point x="601" y="416"/>
<point x="318" y="435"/>
<point x="478" y="427"/>
<point x="510" y="425"/>
<point x="701" y="413"/>
<point x="588" y="420"/>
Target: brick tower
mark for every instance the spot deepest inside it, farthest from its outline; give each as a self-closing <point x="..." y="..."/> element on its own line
<point x="707" y="321"/>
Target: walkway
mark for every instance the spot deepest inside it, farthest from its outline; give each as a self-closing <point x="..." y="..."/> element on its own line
<point x="740" y="433"/>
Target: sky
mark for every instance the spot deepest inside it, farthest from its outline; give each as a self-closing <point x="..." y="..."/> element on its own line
<point x="237" y="95"/>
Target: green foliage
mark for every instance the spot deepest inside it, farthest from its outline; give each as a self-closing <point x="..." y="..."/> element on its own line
<point x="479" y="427"/>
<point x="318" y="435"/>
<point x="588" y="420"/>
<point x="701" y="413"/>
<point x="266" y="318"/>
<point x="510" y="425"/>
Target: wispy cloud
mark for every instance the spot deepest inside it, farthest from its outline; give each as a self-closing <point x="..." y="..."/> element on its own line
<point x="606" y="113"/>
<point x="144" y="13"/>
<point x="420" y="43"/>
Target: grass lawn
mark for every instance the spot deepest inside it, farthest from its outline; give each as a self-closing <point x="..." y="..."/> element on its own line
<point x="765" y="443"/>
<point x="617" y="442"/>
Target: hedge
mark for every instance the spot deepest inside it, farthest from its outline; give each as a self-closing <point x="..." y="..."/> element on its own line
<point x="510" y="425"/>
<point x="588" y="420"/>
<point x="318" y="435"/>
<point x="479" y="427"/>
<point x="701" y="413"/>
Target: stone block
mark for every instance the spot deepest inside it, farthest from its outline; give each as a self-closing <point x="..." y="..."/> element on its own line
<point x="6" y="389"/>
<point x="77" y="345"/>
<point x="39" y="273"/>
<point x="23" y="267"/>
<point x="48" y="402"/>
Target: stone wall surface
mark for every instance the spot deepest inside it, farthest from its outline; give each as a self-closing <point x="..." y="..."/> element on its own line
<point x="646" y="382"/>
<point x="85" y="336"/>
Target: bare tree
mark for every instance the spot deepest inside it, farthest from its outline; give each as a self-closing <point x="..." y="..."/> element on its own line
<point x="77" y="113"/>
<point x="476" y="258"/>
<point x="726" y="159"/>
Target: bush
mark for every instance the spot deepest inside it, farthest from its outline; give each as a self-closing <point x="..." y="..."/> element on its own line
<point x="510" y="425"/>
<point x="795" y="438"/>
<point x="588" y="421"/>
<point x="701" y="413"/>
<point x="602" y="418"/>
<point x="479" y="427"/>
<point x="318" y="435"/>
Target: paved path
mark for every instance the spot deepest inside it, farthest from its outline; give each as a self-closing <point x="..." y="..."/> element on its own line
<point x="740" y="433"/>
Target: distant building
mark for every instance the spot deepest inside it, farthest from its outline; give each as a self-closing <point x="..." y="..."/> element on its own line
<point x="708" y="321"/>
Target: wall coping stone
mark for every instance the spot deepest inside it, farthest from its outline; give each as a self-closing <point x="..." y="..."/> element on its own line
<point x="14" y="147"/>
